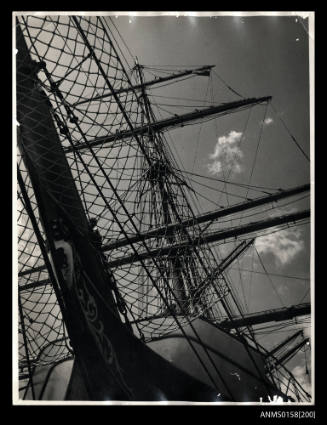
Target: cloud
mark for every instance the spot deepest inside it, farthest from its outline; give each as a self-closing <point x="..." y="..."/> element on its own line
<point x="283" y="245"/>
<point x="268" y="121"/>
<point x="227" y="155"/>
<point x="299" y="373"/>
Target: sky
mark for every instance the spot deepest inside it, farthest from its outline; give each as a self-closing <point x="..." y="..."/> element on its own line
<point x="255" y="56"/>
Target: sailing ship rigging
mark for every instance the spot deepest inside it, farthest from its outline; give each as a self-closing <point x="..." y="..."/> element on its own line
<point x="115" y="264"/>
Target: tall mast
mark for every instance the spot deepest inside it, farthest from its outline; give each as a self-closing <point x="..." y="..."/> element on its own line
<point x="157" y="176"/>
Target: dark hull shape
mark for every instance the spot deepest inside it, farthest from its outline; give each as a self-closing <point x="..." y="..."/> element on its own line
<point x="168" y="370"/>
<point x="148" y="376"/>
<point x="237" y="368"/>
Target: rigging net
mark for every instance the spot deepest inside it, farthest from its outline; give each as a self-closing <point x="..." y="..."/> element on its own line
<point x="128" y="182"/>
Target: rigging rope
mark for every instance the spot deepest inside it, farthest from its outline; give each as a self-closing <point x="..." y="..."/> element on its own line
<point x="291" y="135"/>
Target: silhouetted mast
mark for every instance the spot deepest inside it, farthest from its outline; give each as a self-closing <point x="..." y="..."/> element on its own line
<point x="276" y="315"/>
<point x="169" y="123"/>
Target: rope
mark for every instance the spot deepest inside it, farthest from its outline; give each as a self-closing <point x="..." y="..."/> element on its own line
<point x="291" y="135"/>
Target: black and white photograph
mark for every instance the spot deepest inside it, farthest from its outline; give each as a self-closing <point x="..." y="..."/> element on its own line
<point x="163" y="230"/>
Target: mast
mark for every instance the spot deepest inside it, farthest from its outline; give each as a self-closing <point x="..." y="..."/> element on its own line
<point x="214" y="237"/>
<point x="285" y="342"/>
<point x="287" y="356"/>
<point x="209" y="217"/>
<point x="204" y="218"/>
<point x="203" y="70"/>
<point x="157" y="176"/>
<point x="169" y="123"/>
<point x="276" y="315"/>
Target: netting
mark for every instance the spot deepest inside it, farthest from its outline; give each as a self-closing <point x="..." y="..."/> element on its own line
<point x="127" y="183"/>
<point x="43" y="327"/>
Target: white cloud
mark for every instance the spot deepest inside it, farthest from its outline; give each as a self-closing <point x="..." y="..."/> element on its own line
<point x="300" y="374"/>
<point x="227" y="155"/>
<point x="284" y="245"/>
<point x="268" y="121"/>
